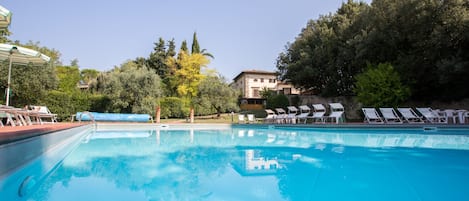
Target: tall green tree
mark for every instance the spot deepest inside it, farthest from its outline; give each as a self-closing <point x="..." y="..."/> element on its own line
<point x="157" y="58"/>
<point x="29" y="84"/>
<point x="214" y="93"/>
<point x="195" y="44"/>
<point x="322" y="56"/>
<point x="132" y="89"/>
<point x="68" y="76"/>
<point x="425" y="41"/>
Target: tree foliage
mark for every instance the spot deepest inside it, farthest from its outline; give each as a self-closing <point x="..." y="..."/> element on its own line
<point x="132" y="89"/>
<point x="215" y="94"/>
<point x="29" y="84"/>
<point x="166" y="78"/>
<point x="380" y="86"/>
<point x="274" y="100"/>
<point x="425" y="41"/>
<point x="68" y="76"/>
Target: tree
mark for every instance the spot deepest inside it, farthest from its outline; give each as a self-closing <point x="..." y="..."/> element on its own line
<point x="188" y="77"/>
<point x="196" y="47"/>
<point x="322" y="56"/>
<point x="4" y="33"/>
<point x="29" y="84"/>
<point x="89" y="75"/>
<point x="380" y="86"/>
<point x="184" y="47"/>
<point x="157" y="58"/>
<point x="195" y="44"/>
<point x="68" y="76"/>
<point x="425" y="41"/>
<point x="132" y="89"/>
<point x="74" y="62"/>
<point x="215" y="93"/>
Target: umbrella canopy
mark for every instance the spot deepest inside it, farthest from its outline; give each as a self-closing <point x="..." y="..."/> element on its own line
<point x="5" y="17"/>
<point x="19" y="55"/>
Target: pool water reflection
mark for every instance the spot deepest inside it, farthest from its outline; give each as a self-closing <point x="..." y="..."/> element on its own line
<point x="263" y="164"/>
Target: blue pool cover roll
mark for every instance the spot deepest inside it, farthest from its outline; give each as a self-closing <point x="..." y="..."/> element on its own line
<point x="113" y="117"/>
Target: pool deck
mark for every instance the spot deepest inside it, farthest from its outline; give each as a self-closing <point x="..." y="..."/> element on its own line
<point x="10" y="134"/>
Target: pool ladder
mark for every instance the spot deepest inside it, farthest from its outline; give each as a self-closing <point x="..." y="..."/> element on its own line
<point x="91" y="118"/>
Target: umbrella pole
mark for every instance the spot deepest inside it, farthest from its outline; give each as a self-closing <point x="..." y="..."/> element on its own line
<point x="8" y="83"/>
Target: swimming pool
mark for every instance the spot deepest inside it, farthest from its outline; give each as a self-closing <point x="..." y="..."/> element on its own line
<point x="261" y="163"/>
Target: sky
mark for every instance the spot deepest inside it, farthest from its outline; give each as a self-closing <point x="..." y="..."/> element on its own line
<point x="102" y="34"/>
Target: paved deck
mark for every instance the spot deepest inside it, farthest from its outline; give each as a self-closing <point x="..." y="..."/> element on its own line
<point x="9" y="133"/>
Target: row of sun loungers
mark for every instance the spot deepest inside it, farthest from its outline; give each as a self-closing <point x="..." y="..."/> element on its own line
<point x="23" y="117"/>
<point x="304" y="113"/>
<point x="421" y="115"/>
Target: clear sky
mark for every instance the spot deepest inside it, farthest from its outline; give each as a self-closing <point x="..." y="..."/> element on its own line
<point x="101" y="34"/>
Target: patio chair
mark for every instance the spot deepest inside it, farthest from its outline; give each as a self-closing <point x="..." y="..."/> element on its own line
<point x="431" y="116"/>
<point x="372" y="116"/>
<point x="304" y="113"/>
<point x="241" y="119"/>
<point x="44" y="113"/>
<point x="13" y="115"/>
<point x="390" y="115"/>
<point x="409" y="115"/>
<point x="282" y="116"/>
<point x="337" y="112"/>
<point x="271" y="116"/>
<point x="319" y="112"/>
<point x="291" y="117"/>
<point x="251" y="118"/>
<point x="466" y="117"/>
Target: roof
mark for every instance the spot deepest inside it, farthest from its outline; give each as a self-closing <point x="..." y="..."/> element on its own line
<point x="254" y="72"/>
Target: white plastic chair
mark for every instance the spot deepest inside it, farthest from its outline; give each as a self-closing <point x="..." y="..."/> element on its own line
<point x="318" y="113"/>
<point x="337" y="112"/>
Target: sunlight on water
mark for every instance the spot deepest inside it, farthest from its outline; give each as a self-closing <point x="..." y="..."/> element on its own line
<point x="262" y="164"/>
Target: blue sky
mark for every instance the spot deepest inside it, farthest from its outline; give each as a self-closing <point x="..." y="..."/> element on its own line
<point x="101" y="34"/>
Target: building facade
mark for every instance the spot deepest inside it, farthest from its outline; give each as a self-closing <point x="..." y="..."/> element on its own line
<point x="251" y="82"/>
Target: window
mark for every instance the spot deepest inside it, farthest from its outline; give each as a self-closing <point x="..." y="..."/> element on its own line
<point x="255" y="92"/>
<point x="262" y="79"/>
<point x="255" y="80"/>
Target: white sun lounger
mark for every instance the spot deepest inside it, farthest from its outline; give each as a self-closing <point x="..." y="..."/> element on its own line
<point x="372" y="116"/>
<point x="251" y="118"/>
<point x="241" y="119"/>
<point x="409" y="115"/>
<point x="431" y="116"/>
<point x="304" y="113"/>
<point x="291" y="116"/>
<point x="390" y="115"/>
<point x="271" y="116"/>
<point x="282" y="116"/>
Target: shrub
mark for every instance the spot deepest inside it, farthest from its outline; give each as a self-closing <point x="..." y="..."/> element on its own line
<point x="380" y="86"/>
<point x="173" y="107"/>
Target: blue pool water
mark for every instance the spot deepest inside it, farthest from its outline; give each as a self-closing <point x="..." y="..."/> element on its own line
<point x="250" y="163"/>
